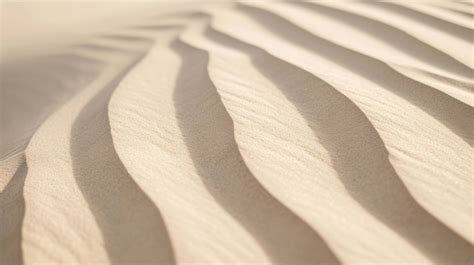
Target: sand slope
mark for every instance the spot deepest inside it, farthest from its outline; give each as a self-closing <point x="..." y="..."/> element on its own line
<point x="250" y="133"/>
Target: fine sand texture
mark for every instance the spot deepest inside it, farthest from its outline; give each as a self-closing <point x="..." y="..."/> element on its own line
<point x="222" y="132"/>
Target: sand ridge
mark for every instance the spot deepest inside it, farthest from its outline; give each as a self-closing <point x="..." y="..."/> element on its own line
<point x="244" y="133"/>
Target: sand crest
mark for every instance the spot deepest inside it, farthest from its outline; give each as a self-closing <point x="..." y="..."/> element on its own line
<point x="237" y="133"/>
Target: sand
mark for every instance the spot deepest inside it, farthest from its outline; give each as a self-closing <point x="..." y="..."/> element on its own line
<point x="224" y="133"/>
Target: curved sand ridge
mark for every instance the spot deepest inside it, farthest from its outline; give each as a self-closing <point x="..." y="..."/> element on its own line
<point x="281" y="133"/>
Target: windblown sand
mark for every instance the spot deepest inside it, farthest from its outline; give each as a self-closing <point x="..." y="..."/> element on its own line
<point x="237" y="133"/>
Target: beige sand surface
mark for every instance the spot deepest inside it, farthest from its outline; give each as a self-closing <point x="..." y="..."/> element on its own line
<point x="258" y="132"/>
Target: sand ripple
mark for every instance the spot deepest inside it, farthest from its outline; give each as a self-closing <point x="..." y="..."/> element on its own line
<point x="257" y="132"/>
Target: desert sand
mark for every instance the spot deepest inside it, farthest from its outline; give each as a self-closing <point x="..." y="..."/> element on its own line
<point x="258" y="132"/>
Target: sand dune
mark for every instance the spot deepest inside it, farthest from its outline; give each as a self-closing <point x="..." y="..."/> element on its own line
<point x="239" y="133"/>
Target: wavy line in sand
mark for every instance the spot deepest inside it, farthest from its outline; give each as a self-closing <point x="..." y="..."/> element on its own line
<point x="373" y="69"/>
<point x="451" y="45"/>
<point x="447" y="27"/>
<point x="122" y="211"/>
<point x="83" y="124"/>
<point x="167" y="173"/>
<point x="12" y="205"/>
<point x="215" y="155"/>
<point x="300" y="58"/>
<point x="397" y="47"/>
<point x="103" y="199"/>
<point x="382" y="207"/>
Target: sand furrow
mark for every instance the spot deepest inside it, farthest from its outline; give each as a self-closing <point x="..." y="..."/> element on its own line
<point x="34" y="89"/>
<point x="310" y="187"/>
<point x="460" y="8"/>
<point x="464" y="33"/>
<point x="210" y="141"/>
<point x="364" y="175"/>
<point x="81" y="154"/>
<point x="457" y="48"/>
<point x="373" y="70"/>
<point x="365" y="94"/>
<point x="47" y="83"/>
<point x="459" y="90"/>
<point x="373" y="38"/>
<point x="198" y="224"/>
<point x="12" y="209"/>
<point x="449" y="16"/>
<point x="319" y="132"/>
<point x="387" y="44"/>
<point x="231" y="185"/>
<point x="112" y="198"/>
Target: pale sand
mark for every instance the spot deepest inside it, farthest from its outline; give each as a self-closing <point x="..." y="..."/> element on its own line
<point x="256" y="133"/>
